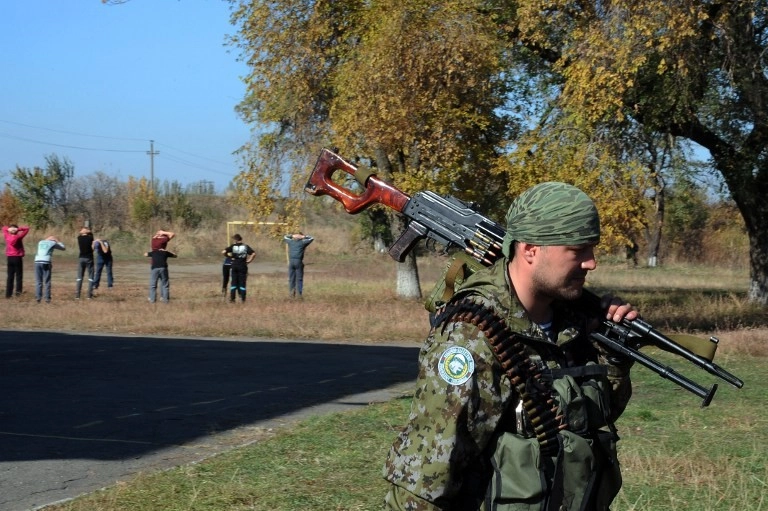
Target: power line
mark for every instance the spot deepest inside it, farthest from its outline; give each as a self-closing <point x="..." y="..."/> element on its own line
<point x="156" y="153"/>
<point x="152" y="152"/>
<point x="14" y="137"/>
<point x="191" y="154"/>
<point x="72" y="132"/>
<point x="175" y="159"/>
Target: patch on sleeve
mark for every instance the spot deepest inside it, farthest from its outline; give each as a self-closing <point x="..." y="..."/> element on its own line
<point x="456" y="365"/>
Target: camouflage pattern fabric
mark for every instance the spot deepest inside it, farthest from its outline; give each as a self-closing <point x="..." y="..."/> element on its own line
<point x="441" y="459"/>
<point x="552" y="213"/>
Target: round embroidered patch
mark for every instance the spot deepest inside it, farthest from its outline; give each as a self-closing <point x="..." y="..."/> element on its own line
<point x="456" y="365"/>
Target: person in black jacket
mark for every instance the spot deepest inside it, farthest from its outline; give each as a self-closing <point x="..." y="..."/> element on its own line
<point x="241" y="255"/>
<point x="85" y="262"/>
<point x="159" y="274"/>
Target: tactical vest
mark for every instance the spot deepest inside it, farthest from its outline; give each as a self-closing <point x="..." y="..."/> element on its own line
<point x="556" y="448"/>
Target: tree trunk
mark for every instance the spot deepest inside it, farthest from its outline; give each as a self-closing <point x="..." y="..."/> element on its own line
<point x="408" y="285"/>
<point x="758" y="267"/>
<point x="754" y="210"/>
<point x="747" y="178"/>
<point x="654" y="232"/>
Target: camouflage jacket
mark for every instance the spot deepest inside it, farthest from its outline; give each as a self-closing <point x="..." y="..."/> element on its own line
<point x="463" y="414"/>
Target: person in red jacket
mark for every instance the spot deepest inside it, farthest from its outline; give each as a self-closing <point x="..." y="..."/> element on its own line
<point x="14" y="250"/>
<point x="161" y="238"/>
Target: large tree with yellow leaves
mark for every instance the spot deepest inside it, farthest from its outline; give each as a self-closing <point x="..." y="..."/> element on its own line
<point x="434" y="94"/>
<point x="693" y="69"/>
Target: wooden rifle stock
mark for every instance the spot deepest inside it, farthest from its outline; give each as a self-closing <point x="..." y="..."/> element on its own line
<point x="321" y="182"/>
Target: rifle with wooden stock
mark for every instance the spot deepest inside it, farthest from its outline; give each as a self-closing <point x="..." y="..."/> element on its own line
<point x="456" y="224"/>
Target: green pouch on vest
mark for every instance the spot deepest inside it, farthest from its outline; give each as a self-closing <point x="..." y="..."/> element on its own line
<point x="584" y="406"/>
<point x="587" y="471"/>
<point x="516" y="484"/>
<point x="576" y="473"/>
<point x="587" y="468"/>
<point x="578" y="469"/>
<point x="458" y="269"/>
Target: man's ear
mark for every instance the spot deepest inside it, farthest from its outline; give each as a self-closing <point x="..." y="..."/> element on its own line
<point x="528" y="251"/>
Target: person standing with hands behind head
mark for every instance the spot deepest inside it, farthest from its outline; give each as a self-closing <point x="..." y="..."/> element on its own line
<point x="14" y="250"/>
<point x="85" y="262"/>
<point x="159" y="274"/>
<point x="161" y="238"/>
<point x="241" y="255"/>
<point x="43" y="267"/>
<point x="297" y="244"/>
<point x="537" y="432"/>
<point x="103" y="261"/>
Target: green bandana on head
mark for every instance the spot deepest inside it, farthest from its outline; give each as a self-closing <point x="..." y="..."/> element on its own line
<point x="552" y="213"/>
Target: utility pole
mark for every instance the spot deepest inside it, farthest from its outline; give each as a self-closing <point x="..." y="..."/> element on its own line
<point x="152" y="154"/>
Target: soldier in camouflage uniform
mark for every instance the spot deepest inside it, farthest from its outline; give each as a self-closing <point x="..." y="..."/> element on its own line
<point x="477" y="438"/>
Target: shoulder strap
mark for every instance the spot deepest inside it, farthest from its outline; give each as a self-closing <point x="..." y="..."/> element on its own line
<point x="456" y="269"/>
<point x="459" y="268"/>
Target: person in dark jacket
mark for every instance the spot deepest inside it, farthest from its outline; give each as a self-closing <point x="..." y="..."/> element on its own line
<point x="241" y="255"/>
<point x="85" y="262"/>
<point x="226" y="273"/>
<point x="159" y="274"/>
<point x="103" y="262"/>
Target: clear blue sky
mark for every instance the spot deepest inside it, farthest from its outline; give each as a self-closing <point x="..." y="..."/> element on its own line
<point x="95" y="83"/>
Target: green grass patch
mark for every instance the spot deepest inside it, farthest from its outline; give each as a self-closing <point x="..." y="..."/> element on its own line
<point x="332" y="462"/>
<point x="676" y="455"/>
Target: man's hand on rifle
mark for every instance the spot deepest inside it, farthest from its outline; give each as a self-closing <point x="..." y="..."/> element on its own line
<point x="617" y="310"/>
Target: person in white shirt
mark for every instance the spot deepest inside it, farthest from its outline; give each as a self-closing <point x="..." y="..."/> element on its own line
<point x="43" y="267"/>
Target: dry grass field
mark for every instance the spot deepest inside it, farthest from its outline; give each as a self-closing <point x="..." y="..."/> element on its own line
<point x="349" y="295"/>
<point x="345" y="299"/>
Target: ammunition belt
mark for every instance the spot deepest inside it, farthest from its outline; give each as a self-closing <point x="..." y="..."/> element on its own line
<point x="524" y="375"/>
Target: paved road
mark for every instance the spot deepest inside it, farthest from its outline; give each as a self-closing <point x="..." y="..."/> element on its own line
<point x="80" y="412"/>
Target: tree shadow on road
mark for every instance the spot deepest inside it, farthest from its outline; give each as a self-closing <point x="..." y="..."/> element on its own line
<point x="109" y="398"/>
